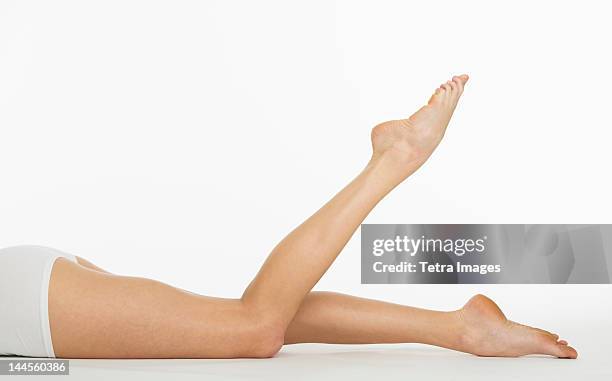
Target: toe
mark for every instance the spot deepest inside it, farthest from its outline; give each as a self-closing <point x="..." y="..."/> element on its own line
<point x="567" y="352"/>
<point x="559" y="350"/>
<point x="459" y="83"/>
<point x="454" y="88"/>
<point x="450" y="91"/>
<point x="562" y="342"/>
<point x="447" y="90"/>
<point x="436" y="96"/>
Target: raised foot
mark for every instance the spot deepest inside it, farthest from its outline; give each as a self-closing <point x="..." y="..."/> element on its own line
<point x="409" y="142"/>
<point x="487" y="332"/>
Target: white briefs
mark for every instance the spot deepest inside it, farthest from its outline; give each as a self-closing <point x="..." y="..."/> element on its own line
<point x="25" y="272"/>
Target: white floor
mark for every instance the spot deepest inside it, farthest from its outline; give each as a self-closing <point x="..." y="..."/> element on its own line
<point x="371" y="363"/>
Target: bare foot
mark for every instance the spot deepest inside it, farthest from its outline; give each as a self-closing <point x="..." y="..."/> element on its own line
<point x="487" y="332"/>
<point x="409" y="142"/>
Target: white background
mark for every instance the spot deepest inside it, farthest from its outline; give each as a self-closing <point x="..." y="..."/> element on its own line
<point x="183" y="140"/>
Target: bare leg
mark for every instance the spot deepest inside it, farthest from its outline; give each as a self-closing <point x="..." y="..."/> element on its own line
<point x="478" y="327"/>
<point x="326" y="317"/>
<point x="94" y="314"/>
<point x="100" y="315"/>
<point x="297" y="263"/>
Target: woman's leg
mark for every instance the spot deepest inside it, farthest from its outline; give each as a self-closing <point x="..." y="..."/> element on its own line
<point x="297" y="263"/>
<point x="93" y="314"/>
<point x="100" y="315"/>
<point x="97" y="315"/>
<point x="328" y="317"/>
<point x="479" y="327"/>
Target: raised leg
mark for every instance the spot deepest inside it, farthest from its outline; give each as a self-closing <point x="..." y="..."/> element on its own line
<point x="297" y="263"/>
<point x="94" y="314"/>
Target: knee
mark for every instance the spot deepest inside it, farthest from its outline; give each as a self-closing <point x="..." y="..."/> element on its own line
<point x="268" y="340"/>
<point x="267" y="347"/>
<point x="265" y="337"/>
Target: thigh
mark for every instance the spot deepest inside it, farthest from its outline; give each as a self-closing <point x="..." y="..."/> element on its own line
<point x="99" y="315"/>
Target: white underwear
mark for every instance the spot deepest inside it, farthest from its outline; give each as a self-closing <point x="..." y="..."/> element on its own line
<point x="25" y="272"/>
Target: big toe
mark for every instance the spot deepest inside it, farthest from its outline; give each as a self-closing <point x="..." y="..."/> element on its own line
<point x="463" y="77"/>
<point x="457" y="83"/>
<point x="567" y="352"/>
<point x="561" y="350"/>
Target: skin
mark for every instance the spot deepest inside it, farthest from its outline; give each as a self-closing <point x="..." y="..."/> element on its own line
<point x="95" y="314"/>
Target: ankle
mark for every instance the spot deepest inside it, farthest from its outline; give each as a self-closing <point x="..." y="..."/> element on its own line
<point x="444" y="329"/>
<point x="389" y="168"/>
<point x="460" y="337"/>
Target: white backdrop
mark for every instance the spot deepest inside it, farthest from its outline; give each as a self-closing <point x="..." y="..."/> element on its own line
<point x="182" y="140"/>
